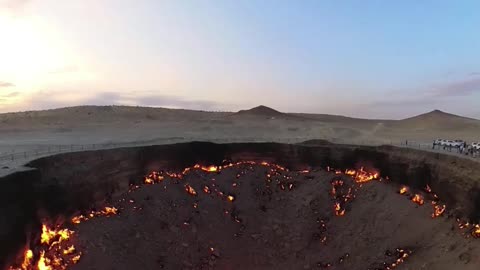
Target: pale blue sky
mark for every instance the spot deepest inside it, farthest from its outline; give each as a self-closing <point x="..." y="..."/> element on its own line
<point x="382" y="59"/>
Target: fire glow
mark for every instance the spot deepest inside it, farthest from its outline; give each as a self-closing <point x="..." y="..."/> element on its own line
<point x="418" y="199"/>
<point x="56" y="252"/>
<point x="50" y="254"/>
<point x="343" y="195"/>
<point x="107" y="211"/>
<point x="438" y="209"/>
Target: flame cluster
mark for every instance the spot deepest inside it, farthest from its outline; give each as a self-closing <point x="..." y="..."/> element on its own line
<point x="418" y="199"/>
<point x="51" y="253"/>
<point x="438" y="209"/>
<point x="153" y="178"/>
<point x="472" y="229"/>
<point x="322" y="228"/>
<point x="399" y="257"/>
<point x="105" y="212"/>
<point x="54" y="252"/>
<point x="190" y="190"/>
<point x="342" y="194"/>
<point x="362" y="176"/>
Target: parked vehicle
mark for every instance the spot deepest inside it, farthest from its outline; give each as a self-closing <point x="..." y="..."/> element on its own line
<point x="441" y="142"/>
<point x="449" y="143"/>
<point x="458" y="143"/>
<point x="438" y="142"/>
<point x="476" y="145"/>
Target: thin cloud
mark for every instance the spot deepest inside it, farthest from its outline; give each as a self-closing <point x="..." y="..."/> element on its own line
<point x="464" y="87"/>
<point x="175" y="102"/>
<point x="37" y="101"/>
<point x="474" y="74"/>
<point x="10" y="95"/>
<point x="6" y="84"/>
<point x="408" y="102"/>
<point x="150" y="99"/>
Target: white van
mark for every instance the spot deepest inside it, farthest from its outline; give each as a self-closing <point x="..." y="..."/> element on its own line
<point x="476" y="145"/>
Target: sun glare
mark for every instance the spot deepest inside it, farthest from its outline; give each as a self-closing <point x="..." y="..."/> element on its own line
<point x="28" y="51"/>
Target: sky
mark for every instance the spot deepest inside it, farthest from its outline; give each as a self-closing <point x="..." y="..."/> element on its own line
<point x="372" y="59"/>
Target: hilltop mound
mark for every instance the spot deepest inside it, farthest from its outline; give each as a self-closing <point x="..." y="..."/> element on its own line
<point x="438" y="115"/>
<point x="261" y="111"/>
<point x="85" y="115"/>
<point x="439" y="120"/>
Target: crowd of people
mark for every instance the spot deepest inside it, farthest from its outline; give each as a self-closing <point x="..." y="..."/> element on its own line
<point x="459" y="145"/>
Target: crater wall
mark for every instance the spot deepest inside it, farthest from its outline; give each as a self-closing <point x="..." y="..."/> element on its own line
<point x="56" y="187"/>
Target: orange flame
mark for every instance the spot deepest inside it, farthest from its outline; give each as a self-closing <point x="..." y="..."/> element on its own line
<point x="149" y="181"/>
<point x="27" y="260"/>
<point x="43" y="263"/>
<point x="56" y="235"/>
<point x="69" y="250"/>
<point x="338" y="210"/>
<point x="76" y="258"/>
<point x="106" y="212"/>
<point x="363" y="176"/>
<point x="350" y="172"/>
<point x="418" y="199"/>
<point x="190" y="190"/>
<point x="209" y="168"/>
<point x="476" y="231"/>
<point x="403" y="190"/>
<point x="438" y="210"/>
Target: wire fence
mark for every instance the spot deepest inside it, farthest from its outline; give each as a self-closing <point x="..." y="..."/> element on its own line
<point x="46" y="150"/>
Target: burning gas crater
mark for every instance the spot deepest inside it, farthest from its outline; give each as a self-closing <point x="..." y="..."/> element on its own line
<point x="55" y="247"/>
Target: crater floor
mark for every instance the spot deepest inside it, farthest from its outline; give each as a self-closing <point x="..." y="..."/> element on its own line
<point x="261" y="216"/>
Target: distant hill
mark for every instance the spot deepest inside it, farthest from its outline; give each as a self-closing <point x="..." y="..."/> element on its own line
<point x="261" y="111"/>
<point x="148" y="123"/>
<point x="80" y="115"/>
<point x="437" y="115"/>
<point x="438" y="120"/>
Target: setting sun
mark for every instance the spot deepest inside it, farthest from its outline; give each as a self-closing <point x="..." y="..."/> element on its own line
<point x="30" y="51"/>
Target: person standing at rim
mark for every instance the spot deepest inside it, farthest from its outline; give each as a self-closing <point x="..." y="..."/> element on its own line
<point x="464" y="147"/>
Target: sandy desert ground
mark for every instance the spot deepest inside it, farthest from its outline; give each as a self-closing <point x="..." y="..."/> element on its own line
<point x="120" y="124"/>
<point x="27" y="135"/>
<point x="369" y="236"/>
